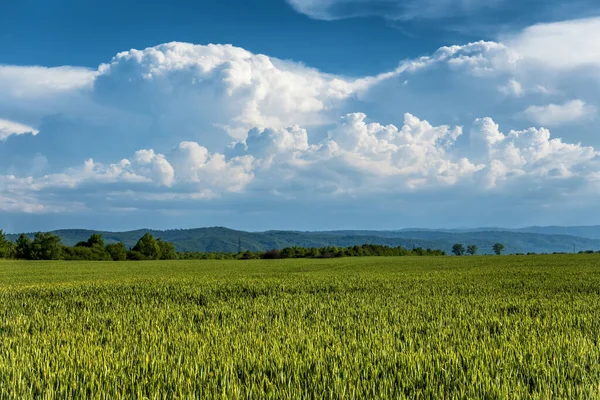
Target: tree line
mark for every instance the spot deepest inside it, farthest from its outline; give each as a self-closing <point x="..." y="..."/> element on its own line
<point x="47" y="246"/>
<point x="365" y="250"/>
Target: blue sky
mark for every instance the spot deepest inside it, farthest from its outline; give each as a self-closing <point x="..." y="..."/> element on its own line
<point x="71" y="32"/>
<point x="298" y="114"/>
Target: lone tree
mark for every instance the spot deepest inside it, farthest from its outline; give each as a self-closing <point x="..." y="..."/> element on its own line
<point x="498" y="249"/>
<point x="458" y="249"/>
<point x="472" y="249"/>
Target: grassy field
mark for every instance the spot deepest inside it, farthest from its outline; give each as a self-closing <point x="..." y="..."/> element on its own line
<point x="446" y="327"/>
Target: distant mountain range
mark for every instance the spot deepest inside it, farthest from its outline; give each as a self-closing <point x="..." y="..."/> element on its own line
<point x="589" y="232"/>
<point x="218" y="239"/>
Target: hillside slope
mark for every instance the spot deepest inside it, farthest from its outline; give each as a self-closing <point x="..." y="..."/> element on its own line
<point x="220" y="239"/>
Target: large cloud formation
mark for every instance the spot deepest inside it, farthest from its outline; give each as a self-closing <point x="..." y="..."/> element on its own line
<point x="357" y="157"/>
<point x="187" y="124"/>
<point x="227" y="86"/>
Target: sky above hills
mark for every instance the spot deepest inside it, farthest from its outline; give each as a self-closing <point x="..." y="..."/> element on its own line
<point x="299" y="114"/>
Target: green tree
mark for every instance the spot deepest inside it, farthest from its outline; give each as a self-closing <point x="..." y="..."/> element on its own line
<point x="117" y="251"/>
<point x="148" y="247"/>
<point x="472" y="249"/>
<point x="11" y="250"/>
<point x="46" y="246"/>
<point x="6" y="247"/>
<point x="23" y="247"/>
<point x="167" y="250"/>
<point x="96" y="240"/>
<point x="498" y="248"/>
<point x="458" y="249"/>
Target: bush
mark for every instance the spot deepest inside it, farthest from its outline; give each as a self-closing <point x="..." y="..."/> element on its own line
<point x="117" y="251"/>
<point x="85" y="254"/>
<point x="137" y="256"/>
<point x="272" y="255"/>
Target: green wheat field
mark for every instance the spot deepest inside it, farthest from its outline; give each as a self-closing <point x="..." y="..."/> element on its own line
<point x="410" y="327"/>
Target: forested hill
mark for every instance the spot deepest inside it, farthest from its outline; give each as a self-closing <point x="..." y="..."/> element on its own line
<point x="227" y="240"/>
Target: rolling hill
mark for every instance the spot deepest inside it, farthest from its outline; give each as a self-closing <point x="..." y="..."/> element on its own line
<point x="219" y="239"/>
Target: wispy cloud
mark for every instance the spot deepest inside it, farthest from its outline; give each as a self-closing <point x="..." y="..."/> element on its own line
<point x="497" y="14"/>
<point x="560" y="114"/>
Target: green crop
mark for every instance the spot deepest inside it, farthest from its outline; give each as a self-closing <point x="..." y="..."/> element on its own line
<point x="412" y="327"/>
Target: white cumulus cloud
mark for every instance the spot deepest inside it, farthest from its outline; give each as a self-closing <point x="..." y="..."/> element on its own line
<point x="211" y="174"/>
<point x="201" y="122"/>
<point x="356" y="158"/>
<point x="226" y="85"/>
<point x="530" y="154"/>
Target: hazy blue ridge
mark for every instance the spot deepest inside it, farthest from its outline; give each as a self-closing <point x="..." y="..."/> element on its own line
<point x="219" y="239"/>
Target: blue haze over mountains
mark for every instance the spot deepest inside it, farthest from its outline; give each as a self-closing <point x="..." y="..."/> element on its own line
<point x="218" y="239"/>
